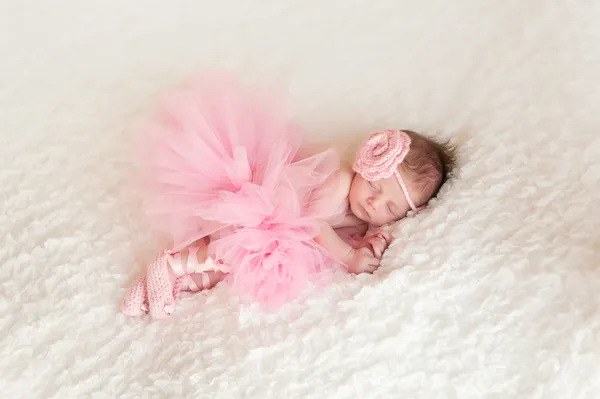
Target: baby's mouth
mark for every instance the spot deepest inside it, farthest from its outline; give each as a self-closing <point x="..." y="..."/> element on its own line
<point x="365" y="212"/>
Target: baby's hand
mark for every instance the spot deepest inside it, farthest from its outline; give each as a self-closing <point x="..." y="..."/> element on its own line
<point x="378" y="243"/>
<point x="361" y="260"/>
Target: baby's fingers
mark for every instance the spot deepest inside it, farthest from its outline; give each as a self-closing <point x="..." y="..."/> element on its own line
<point x="379" y="248"/>
<point x="368" y="269"/>
<point x="378" y="244"/>
<point x="387" y="237"/>
<point x="373" y="265"/>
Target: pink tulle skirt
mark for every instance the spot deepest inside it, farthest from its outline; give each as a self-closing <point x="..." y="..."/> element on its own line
<point x="222" y="161"/>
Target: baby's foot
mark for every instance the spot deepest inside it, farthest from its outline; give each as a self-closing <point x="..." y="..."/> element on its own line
<point x="136" y="302"/>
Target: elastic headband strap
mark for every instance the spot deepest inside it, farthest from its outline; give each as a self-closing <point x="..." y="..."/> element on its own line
<point x="405" y="191"/>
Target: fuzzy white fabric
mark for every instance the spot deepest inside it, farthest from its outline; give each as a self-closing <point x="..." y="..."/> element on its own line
<point x="493" y="292"/>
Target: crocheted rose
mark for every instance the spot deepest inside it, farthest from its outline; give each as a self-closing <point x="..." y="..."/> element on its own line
<point x="381" y="154"/>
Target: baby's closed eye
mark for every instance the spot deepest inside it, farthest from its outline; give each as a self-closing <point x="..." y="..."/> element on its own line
<point x="391" y="209"/>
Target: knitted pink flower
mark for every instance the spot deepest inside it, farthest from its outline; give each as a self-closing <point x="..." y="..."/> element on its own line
<point x="381" y="154"/>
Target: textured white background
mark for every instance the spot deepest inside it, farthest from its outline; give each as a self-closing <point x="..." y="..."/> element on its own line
<point x="494" y="292"/>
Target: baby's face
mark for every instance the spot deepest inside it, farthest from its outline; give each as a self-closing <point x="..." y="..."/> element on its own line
<point x="379" y="202"/>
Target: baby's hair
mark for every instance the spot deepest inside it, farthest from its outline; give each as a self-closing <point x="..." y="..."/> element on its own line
<point x="428" y="163"/>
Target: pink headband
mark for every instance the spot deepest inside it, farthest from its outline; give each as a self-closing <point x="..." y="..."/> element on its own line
<point x="380" y="156"/>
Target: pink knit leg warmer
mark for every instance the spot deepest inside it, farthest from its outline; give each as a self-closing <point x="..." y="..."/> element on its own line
<point x="162" y="293"/>
<point x="136" y="302"/>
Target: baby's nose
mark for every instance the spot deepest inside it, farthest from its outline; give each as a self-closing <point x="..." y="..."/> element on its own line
<point x="373" y="202"/>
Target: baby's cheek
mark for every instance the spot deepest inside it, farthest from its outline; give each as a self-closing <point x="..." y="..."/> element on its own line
<point x="380" y="220"/>
<point x="390" y="219"/>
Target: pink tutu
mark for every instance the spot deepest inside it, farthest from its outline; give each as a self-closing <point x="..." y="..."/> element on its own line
<point x="222" y="161"/>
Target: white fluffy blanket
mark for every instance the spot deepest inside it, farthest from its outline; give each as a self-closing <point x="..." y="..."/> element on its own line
<point x="493" y="292"/>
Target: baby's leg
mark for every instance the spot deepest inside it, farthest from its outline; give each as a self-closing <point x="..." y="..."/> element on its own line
<point x="206" y="280"/>
<point x="202" y="280"/>
<point x="172" y="273"/>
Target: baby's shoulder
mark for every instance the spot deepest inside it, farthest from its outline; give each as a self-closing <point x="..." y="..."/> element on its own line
<point x="330" y="201"/>
<point x="339" y="182"/>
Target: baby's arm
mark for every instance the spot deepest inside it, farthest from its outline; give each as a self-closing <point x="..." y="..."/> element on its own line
<point x="330" y="240"/>
<point x="335" y="193"/>
<point x="359" y="260"/>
